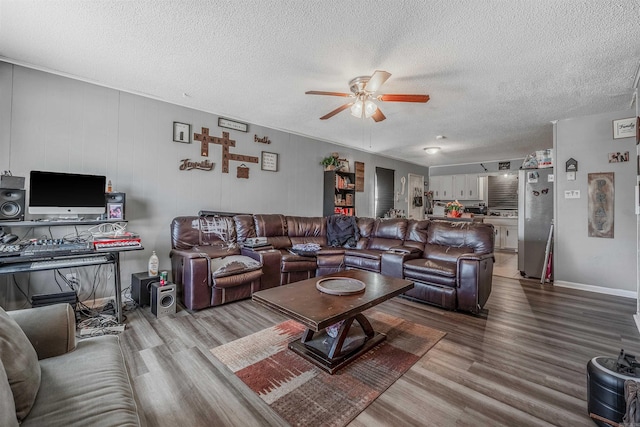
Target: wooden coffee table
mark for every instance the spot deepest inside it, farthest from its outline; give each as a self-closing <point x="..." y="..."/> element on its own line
<point x="304" y="303"/>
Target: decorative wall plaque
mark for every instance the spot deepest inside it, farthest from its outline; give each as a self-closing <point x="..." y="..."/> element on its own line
<point x="269" y="161"/>
<point x="600" y="204"/>
<point x="188" y="164"/>
<point x="359" y="166"/>
<point x="264" y="139"/>
<point x="230" y="124"/>
<point x="182" y="132"/>
<point x="206" y="139"/>
<point x="243" y="171"/>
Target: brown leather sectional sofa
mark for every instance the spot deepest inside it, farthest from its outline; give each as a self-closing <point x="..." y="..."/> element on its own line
<point x="450" y="263"/>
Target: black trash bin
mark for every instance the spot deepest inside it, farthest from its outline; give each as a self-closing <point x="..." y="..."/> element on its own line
<point x="605" y="387"/>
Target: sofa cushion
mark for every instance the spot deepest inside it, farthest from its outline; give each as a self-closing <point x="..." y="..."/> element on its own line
<point x="431" y="271"/>
<point x="234" y="264"/>
<point x="445" y="253"/>
<point x="20" y="362"/>
<point x="7" y="406"/>
<point x="190" y="231"/>
<point x="476" y="236"/>
<point x="87" y="387"/>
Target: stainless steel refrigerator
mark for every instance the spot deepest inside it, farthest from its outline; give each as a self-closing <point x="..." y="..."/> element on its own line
<point x="535" y="216"/>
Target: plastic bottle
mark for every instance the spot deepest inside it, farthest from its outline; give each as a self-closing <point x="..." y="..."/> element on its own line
<point x="153" y="265"/>
<point x="109" y="187"/>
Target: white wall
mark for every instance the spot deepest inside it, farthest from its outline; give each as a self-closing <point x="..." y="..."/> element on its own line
<point x="48" y="122"/>
<point x="599" y="264"/>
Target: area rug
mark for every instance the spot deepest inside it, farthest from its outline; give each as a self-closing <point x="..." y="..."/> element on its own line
<point x="305" y="395"/>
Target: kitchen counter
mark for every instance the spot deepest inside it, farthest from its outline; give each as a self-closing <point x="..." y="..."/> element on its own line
<point x="502" y="220"/>
<point x="479" y="218"/>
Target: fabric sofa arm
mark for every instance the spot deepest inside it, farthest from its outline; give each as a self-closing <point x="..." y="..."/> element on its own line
<point x="474" y="281"/>
<point x="51" y="329"/>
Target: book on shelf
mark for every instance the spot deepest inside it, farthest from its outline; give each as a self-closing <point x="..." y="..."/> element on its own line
<point x="344" y="211"/>
<point x="342" y="182"/>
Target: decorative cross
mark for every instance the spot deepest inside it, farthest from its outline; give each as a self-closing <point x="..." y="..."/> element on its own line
<point x="225" y="142"/>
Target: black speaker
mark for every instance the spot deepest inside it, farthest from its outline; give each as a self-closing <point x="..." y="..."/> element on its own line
<point x="115" y="204"/>
<point x="141" y="287"/>
<point x="11" y="204"/>
<point x="163" y="299"/>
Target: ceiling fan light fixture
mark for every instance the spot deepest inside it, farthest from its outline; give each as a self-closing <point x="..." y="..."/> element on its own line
<point x="356" y="108"/>
<point x="431" y="150"/>
<point x="369" y="108"/>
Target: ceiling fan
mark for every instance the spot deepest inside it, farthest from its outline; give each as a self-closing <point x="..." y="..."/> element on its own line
<point x="363" y="89"/>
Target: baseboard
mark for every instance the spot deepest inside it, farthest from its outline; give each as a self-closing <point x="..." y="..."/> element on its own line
<point x="597" y="289"/>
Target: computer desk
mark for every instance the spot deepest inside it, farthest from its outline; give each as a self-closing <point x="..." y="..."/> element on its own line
<point x="25" y="264"/>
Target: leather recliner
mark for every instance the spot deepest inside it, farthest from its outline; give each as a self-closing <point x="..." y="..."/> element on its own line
<point x="450" y="263"/>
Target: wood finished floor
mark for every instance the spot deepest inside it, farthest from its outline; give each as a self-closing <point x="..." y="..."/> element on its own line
<point x="522" y="362"/>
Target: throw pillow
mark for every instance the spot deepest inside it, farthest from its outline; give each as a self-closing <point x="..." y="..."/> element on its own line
<point x="233" y="264"/>
<point x="7" y="406"/>
<point x="20" y="362"/>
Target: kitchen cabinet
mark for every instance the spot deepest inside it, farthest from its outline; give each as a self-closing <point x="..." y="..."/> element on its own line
<point x="456" y="187"/>
<point x="442" y="187"/>
<point x="466" y="186"/>
<point x="506" y="232"/>
<point x="473" y="187"/>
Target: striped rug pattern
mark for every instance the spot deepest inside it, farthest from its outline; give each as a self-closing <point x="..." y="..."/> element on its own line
<point x="303" y="394"/>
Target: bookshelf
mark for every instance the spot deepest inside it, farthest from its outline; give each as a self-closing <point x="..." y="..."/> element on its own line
<point x="339" y="193"/>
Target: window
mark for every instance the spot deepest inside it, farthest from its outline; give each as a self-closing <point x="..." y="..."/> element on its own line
<point x="384" y="191"/>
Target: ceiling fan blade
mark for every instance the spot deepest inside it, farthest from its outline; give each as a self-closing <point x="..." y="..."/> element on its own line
<point x="403" y="98"/>
<point x="377" y="79"/>
<point x="319" y="92"/>
<point x="378" y="116"/>
<point x="336" y="111"/>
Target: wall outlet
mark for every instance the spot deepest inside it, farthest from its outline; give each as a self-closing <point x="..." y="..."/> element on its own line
<point x="572" y="194"/>
<point x="72" y="278"/>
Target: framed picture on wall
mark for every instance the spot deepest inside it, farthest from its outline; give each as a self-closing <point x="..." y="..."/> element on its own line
<point x="181" y="132"/>
<point x="269" y="161"/>
<point x="624" y="128"/>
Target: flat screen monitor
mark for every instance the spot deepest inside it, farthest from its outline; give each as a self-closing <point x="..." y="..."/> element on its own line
<point x="66" y="194"/>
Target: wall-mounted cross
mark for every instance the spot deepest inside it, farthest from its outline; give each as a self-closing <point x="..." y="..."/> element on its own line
<point x="225" y="142"/>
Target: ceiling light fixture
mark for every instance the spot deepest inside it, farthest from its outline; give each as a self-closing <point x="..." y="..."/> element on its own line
<point x="431" y="150"/>
<point x="363" y="108"/>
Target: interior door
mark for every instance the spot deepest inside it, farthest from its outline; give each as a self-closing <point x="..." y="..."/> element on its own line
<point x="415" y="197"/>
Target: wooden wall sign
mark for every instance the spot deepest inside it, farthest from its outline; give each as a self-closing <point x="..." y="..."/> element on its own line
<point x="225" y="142"/>
<point x="243" y="171"/>
<point x="204" y="139"/>
<point x="264" y="139"/>
<point x="600" y="204"/>
<point x="359" y="166"/>
<point x="187" y="165"/>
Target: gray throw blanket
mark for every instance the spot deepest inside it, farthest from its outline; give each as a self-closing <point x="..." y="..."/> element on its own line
<point x="342" y="230"/>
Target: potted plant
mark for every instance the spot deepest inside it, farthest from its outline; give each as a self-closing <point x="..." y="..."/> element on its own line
<point x="329" y="163"/>
<point x="454" y="209"/>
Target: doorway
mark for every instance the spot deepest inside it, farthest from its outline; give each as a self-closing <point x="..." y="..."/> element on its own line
<point x="384" y="191"/>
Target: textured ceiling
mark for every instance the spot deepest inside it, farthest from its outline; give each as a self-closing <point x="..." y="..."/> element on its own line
<point x="497" y="72"/>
